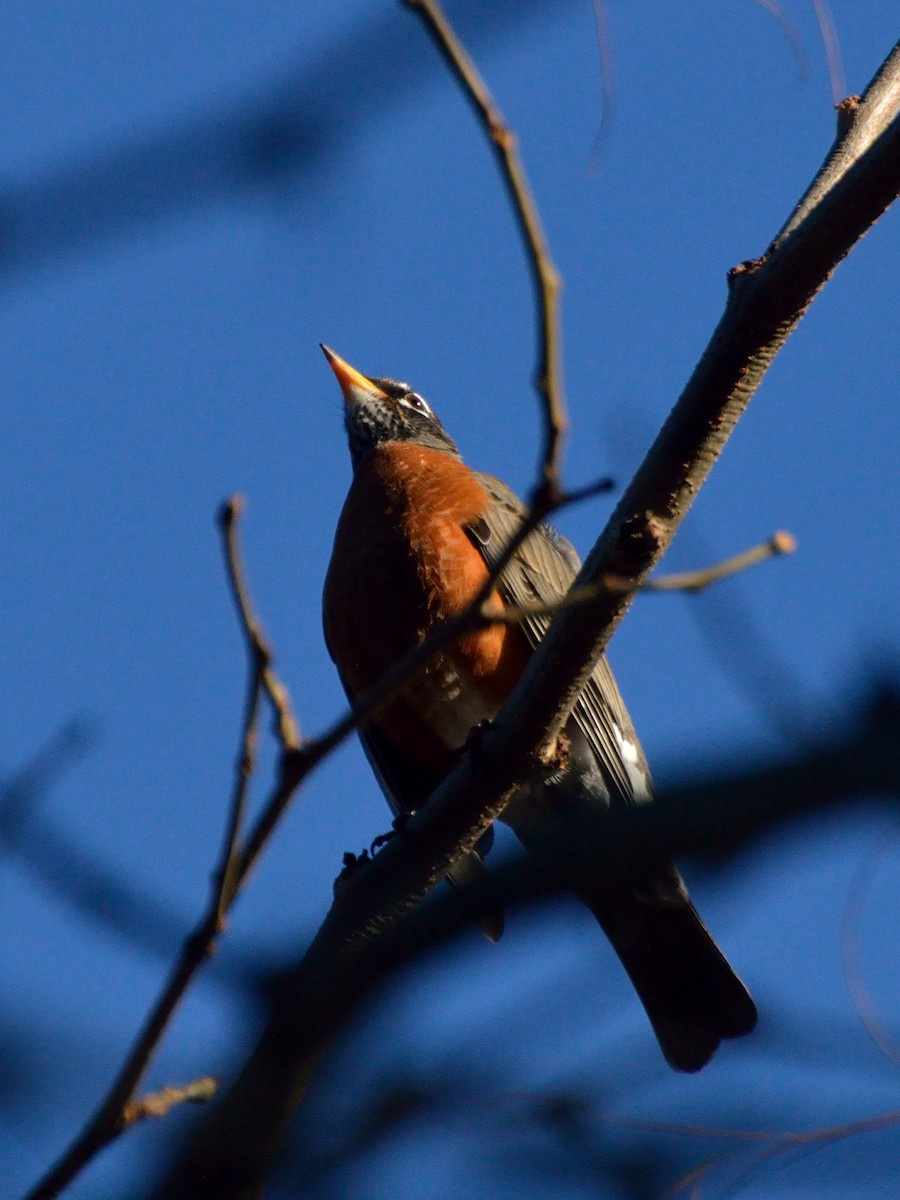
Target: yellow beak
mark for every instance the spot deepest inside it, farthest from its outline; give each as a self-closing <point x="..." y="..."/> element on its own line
<point x="354" y="385"/>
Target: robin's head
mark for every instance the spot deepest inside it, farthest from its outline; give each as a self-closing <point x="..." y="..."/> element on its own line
<point x="383" y="410"/>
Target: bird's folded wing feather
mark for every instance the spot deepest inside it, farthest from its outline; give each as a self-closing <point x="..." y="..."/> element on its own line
<point x="543" y="570"/>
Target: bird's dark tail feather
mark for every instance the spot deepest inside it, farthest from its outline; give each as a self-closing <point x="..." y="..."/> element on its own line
<point x="469" y="871"/>
<point x="688" y="988"/>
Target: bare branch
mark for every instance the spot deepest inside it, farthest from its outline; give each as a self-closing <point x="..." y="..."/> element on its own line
<point x="111" y="1118"/>
<point x="227" y="875"/>
<point x="159" y="1104"/>
<point x="861" y="123"/>
<point x="695" y="581"/>
<point x="237" y="860"/>
<point x="681" y="581"/>
<point x="850" y="948"/>
<point x="781" y="1143"/>
<point x="119" y="1108"/>
<point x="547" y="283"/>
<point x="766" y="300"/>
<point x="286" y="724"/>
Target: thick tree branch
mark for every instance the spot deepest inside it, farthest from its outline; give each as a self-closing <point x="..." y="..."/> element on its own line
<point x="230" y="1158"/>
<point x="766" y="300"/>
<point x="711" y="818"/>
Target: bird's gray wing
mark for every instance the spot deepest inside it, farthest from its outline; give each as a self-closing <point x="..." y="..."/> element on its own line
<point x="543" y="569"/>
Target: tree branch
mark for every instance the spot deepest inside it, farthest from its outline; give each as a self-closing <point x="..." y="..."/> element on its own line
<point x="779" y="543"/>
<point x="287" y="729"/>
<point x="159" y="1104"/>
<point x="678" y="581"/>
<point x="548" y="493"/>
<point x="120" y="1108"/>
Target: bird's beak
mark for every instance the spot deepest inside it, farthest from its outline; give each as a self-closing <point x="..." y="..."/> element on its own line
<point x="356" y="387"/>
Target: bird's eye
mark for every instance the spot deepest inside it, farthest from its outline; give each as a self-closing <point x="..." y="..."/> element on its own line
<point x="414" y="400"/>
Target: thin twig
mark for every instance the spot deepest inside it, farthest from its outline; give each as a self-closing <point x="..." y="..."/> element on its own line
<point x="258" y="646"/>
<point x="774" y="1142"/>
<point x="117" y="1111"/>
<point x="695" y="581"/>
<point x="606" y="63"/>
<point x="110" y="1119"/>
<point x="782" y="1143"/>
<point x="547" y="283"/>
<point x="159" y="1104"/>
<point x="681" y="581"/>
<point x="228" y="873"/>
<point x="850" y="947"/>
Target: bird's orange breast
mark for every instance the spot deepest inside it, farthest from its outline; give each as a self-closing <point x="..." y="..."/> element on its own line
<point x="403" y="563"/>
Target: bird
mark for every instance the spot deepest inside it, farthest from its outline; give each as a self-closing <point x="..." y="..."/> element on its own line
<point x="417" y="537"/>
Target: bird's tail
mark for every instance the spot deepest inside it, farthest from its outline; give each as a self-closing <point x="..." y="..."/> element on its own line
<point x="469" y="872"/>
<point x="688" y="988"/>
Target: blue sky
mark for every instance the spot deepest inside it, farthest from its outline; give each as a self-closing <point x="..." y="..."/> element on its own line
<point x="192" y="197"/>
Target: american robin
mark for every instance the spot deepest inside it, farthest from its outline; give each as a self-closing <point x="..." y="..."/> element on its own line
<point x="417" y="536"/>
